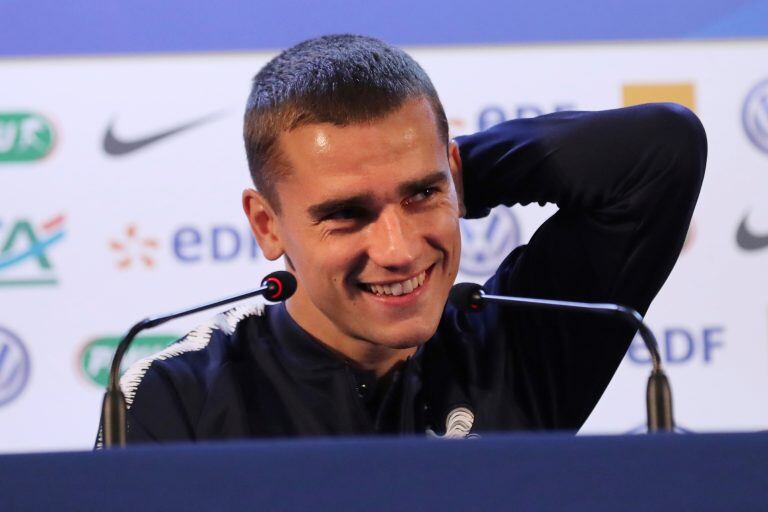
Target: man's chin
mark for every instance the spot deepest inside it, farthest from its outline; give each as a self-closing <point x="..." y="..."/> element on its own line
<point x="403" y="344"/>
<point x="403" y="338"/>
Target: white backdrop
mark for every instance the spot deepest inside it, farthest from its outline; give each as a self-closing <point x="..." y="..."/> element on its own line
<point x="92" y="242"/>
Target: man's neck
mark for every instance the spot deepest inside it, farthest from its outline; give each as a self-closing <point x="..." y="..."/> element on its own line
<point x="361" y="353"/>
<point x="378" y="361"/>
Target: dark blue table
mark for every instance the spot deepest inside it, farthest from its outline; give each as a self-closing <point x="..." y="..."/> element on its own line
<point x="536" y="472"/>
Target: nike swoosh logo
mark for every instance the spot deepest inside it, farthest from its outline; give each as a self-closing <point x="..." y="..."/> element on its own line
<point x="748" y="240"/>
<point x="116" y="146"/>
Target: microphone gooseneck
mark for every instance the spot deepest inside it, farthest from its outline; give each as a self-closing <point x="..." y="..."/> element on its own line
<point x="277" y="286"/>
<point x="472" y="297"/>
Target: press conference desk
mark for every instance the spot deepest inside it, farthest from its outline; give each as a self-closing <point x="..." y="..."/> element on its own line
<point x="536" y="472"/>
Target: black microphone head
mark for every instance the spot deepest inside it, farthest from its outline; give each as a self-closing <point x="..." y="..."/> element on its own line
<point x="466" y="296"/>
<point x="281" y="285"/>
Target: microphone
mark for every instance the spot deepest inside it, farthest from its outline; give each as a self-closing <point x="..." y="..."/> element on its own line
<point x="276" y="287"/>
<point x="472" y="297"/>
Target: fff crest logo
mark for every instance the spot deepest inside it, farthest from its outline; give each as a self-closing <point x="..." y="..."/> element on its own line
<point x="754" y="116"/>
<point x="25" y="251"/>
<point x="24" y="137"/>
<point x="486" y="242"/>
<point x="14" y="366"/>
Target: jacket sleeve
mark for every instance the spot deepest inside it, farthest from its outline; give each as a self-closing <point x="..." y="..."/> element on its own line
<point x="625" y="182"/>
<point x="156" y="412"/>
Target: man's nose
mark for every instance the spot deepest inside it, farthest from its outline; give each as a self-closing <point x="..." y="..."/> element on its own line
<point x="393" y="243"/>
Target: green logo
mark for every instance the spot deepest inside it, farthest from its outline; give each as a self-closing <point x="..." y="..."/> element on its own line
<point x="24" y="137"/>
<point x="25" y="248"/>
<point x="96" y="357"/>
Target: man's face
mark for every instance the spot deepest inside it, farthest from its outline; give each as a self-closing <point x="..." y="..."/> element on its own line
<point x="370" y="222"/>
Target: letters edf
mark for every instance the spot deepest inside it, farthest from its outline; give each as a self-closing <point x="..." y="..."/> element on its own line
<point x="222" y="243"/>
<point x="680" y="345"/>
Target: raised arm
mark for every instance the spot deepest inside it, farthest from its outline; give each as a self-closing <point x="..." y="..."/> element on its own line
<point x="626" y="183"/>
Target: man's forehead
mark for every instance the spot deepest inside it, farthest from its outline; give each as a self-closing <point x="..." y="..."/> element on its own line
<point x="323" y="161"/>
<point x="413" y="125"/>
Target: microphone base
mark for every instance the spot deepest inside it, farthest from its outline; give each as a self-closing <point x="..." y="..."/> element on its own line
<point x="659" y="403"/>
<point x="113" y="419"/>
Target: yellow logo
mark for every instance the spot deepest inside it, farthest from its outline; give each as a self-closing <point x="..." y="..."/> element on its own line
<point x="682" y="93"/>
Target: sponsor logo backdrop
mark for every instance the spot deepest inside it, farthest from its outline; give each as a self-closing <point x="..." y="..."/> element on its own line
<point x="120" y="184"/>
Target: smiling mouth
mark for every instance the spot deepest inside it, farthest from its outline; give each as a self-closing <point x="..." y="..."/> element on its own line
<point x="397" y="288"/>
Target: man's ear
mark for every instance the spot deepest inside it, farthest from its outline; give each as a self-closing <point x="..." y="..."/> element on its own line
<point x="454" y="160"/>
<point x="264" y="225"/>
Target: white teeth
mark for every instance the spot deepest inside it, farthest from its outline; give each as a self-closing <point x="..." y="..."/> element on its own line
<point x="401" y="288"/>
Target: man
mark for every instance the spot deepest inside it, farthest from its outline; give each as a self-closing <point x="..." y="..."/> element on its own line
<point x="361" y="191"/>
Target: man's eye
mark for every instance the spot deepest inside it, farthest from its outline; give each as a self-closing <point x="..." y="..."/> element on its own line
<point x="421" y="196"/>
<point x="345" y="214"/>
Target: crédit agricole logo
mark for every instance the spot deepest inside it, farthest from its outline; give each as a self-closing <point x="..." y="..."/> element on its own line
<point x="25" y="250"/>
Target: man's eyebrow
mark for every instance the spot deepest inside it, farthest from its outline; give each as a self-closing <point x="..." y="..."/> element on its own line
<point x="321" y="210"/>
<point x="412" y="187"/>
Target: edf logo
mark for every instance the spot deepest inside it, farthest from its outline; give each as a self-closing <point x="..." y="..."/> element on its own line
<point x="222" y="243"/>
<point x="678" y="345"/>
<point x="754" y="115"/>
<point x="494" y="114"/>
<point x="14" y="366"/>
<point x="486" y="242"/>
